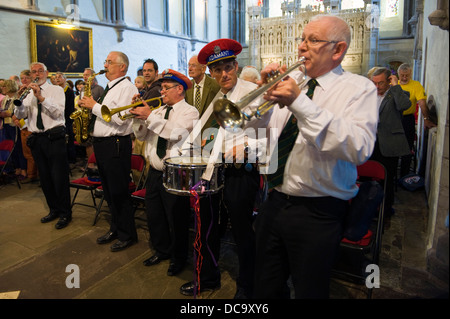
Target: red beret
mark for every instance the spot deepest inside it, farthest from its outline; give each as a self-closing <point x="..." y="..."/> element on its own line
<point x="219" y="50"/>
<point x="173" y="75"/>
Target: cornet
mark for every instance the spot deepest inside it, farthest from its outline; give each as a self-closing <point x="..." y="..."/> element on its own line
<point x="107" y="113"/>
<point x="229" y="115"/>
<point x="18" y="102"/>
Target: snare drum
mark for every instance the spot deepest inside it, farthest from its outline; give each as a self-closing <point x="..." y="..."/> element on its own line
<point x="182" y="173"/>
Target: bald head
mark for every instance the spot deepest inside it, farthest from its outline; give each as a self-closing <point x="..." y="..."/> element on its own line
<point x="337" y="28"/>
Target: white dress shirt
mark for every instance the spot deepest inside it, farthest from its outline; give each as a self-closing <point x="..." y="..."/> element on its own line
<point x="175" y="129"/>
<point x="117" y="96"/>
<point x="337" y="133"/>
<point x="241" y="89"/>
<point x="52" y="111"/>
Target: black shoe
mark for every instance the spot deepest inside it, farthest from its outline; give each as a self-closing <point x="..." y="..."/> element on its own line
<point x="175" y="268"/>
<point x="188" y="288"/>
<point x="63" y="222"/>
<point x="121" y="245"/>
<point x="49" y="218"/>
<point x="155" y="259"/>
<point x="107" y="238"/>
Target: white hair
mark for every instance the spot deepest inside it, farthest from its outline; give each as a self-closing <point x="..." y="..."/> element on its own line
<point x="250" y="73"/>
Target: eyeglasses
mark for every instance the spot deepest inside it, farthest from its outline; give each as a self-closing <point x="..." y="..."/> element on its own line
<point x="168" y="88"/>
<point x="312" y="42"/>
<point x="37" y="71"/>
<point x="109" y="62"/>
<point x="227" y="68"/>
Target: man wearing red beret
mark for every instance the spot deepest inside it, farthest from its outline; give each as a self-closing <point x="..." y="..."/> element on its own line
<point x="241" y="180"/>
<point x="168" y="221"/>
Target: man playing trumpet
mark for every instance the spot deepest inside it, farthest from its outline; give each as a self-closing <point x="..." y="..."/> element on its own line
<point x="168" y="220"/>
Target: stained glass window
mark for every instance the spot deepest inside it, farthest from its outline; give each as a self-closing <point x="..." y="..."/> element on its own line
<point x="391" y="8"/>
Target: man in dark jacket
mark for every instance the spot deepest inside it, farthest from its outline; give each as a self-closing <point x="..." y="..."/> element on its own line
<point x="391" y="140"/>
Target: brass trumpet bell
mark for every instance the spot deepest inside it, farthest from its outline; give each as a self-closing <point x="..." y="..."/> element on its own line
<point x="230" y="116"/>
<point x="107" y="113"/>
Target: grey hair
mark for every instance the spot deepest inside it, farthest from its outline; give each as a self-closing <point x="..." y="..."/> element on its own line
<point x="404" y="67"/>
<point x="38" y="63"/>
<point x="123" y="58"/>
<point x="382" y="70"/>
<point x="251" y="72"/>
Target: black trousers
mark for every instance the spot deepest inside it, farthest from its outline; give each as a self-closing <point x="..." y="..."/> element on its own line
<point x="391" y="164"/>
<point x="297" y="236"/>
<point x="210" y="216"/>
<point x="409" y="126"/>
<point x="113" y="155"/>
<point x="53" y="167"/>
<point x="167" y="218"/>
<point x="240" y="192"/>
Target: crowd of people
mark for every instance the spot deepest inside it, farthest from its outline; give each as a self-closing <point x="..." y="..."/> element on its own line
<point x="322" y="130"/>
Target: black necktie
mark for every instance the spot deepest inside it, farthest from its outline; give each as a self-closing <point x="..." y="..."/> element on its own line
<point x="94" y="117"/>
<point x="286" y="142"/>
<point x="161" y="147"/>
<point x="39" y="123"/>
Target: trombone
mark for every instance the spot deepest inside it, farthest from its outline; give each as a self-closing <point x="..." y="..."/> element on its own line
<point x="230" y="115"/>
<point x="107" y="113"/>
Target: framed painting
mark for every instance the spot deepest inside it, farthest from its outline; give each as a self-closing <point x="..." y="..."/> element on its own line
<point x="61" y="47"/>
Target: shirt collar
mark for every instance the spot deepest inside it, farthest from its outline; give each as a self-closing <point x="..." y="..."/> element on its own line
<point x="44" y="85"/>
<point x="111" y="83"/>
<point x="327" y="80"/>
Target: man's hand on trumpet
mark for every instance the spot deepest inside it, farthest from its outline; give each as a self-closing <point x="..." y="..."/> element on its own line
<point x="141" y="112"/>
<point x="285" y="91"/>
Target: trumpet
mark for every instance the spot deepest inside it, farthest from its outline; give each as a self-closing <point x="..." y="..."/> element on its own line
<point x="18" y="102"/>
<point x="229" y="115"/>
<point x="107" y="113"/>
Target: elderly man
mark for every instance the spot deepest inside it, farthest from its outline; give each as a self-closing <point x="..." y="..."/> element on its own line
<point x="417" y="96"/>
<point x="112" y="148"/>
<point x="44" y="108"/>
<point x="241" y="181"/>
<point x="168" y="220"/>
<point x="391" y="140"/>
<point x="327" y="128"/>
<point x="96" y="90"/>
<point x="204" y="88"/>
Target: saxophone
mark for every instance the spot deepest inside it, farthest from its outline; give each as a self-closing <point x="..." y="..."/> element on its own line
<point x="82" y="117"/>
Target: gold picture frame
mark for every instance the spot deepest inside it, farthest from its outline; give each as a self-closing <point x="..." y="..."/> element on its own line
<point x="61" y="47"/>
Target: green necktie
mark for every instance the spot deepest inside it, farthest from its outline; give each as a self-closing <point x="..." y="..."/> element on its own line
<point x="94" y="117"/>
<point x="39" y="123"/>
<point x="161" y="147"/>
<point x="286" y="142"/>
<point x="211" y="123"/>
<point x="197" y="97"/>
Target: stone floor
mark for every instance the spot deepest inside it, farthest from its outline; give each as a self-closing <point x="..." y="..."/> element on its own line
<point x="37" y="261"/>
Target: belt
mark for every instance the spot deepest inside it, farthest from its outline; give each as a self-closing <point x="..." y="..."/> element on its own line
<point x="297" y="200"/>
<point x="50" y="130"/>
<point x="246" y="166"/>
<point x="108" y="138"/>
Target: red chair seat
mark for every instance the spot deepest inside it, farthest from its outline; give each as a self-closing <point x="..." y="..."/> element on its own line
<point x="139" y="193"/>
